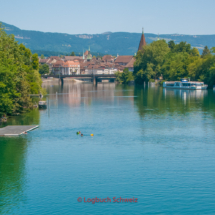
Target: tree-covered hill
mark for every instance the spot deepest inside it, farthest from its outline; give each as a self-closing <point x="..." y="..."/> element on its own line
<point x="122" y="43"/>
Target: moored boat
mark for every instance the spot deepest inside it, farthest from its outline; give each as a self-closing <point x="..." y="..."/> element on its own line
<point x="42" y="104"/>
<point x="185" y="85"/>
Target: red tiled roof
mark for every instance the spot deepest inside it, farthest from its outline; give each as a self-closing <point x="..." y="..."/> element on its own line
<point x="55" y="57"/>
<point x="73" y="57"/>
<point x="71" y="63"/>
<point x="107" y="58"/>
<point x="43" y="60"/>
<point x="131" y="63"/>
<point x="123" y="59"/>
<point x="59" y="63"/>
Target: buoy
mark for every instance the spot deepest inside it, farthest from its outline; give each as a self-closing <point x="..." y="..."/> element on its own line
<point x="92" y="135"/>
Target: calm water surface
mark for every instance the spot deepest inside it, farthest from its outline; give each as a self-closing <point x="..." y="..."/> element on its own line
<point x="149" y="143"/>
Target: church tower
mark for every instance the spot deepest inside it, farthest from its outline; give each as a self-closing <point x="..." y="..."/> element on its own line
<point x="142" y="41"/>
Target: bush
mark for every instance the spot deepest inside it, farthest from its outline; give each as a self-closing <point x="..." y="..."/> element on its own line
<point x="161" y="83"/>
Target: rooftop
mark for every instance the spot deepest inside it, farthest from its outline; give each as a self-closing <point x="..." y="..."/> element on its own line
<point x="123" y="59"/>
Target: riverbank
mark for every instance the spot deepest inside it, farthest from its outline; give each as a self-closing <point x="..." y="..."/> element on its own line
<point x="55" y="80"/>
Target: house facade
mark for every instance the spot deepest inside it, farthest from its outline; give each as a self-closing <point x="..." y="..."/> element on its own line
<point x="66" y="68"/>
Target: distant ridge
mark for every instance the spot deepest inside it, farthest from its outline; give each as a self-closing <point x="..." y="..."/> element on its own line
<point x="122" y="43"/>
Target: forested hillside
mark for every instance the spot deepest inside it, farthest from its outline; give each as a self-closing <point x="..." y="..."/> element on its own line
<point x="121" y="43"/>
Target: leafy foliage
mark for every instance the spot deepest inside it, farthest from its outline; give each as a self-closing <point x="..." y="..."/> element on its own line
<point x="174" y="61"/>
<point x="149" y="61"/>
<point x="125" y="77"/>
<point x="44" y="69"/>
<point x="19" y="76"/>
<point x="205" y="52"/>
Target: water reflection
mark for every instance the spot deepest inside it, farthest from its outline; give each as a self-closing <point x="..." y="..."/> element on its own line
<point x="85" y="93"/>
<point x="185" y="94"/>
<point x="173" y="100"/>
<point x="12" y="173"/>
<point x="12" y="163"/>
<point x="29" y="118"/>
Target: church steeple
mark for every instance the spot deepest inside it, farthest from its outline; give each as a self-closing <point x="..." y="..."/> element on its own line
<point x="142" y="41"/>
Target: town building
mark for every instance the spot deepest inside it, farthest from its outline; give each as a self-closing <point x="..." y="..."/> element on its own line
<point x="123" y="59"/>
<point x="72" y="58"/>
<point x="101" y="69"/>
<point x="86" y="64"/>
<point x="66" y="67"/>
<point x="130" y="65"/>
<point x="87" y="55"/>
<point x="108" y="58"/>
<point x="50" y="61"/>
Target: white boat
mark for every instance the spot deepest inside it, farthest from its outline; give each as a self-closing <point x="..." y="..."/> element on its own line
<point x="42" y="104"/>
<point x="185" y="85"/>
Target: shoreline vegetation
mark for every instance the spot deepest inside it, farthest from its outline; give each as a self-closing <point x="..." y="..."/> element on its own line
<point x="171" y="62"/>
<point x="19" y="76"/>
<point x="160" y="61"/>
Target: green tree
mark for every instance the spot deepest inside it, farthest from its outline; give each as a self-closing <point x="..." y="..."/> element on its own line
<point x="194" y="52"/>
<point x="124" y="77"/>
<point x="182" y="47"/>
<point x="72" y="54"/>
<point x="118" y="75"/>
<point x="171" y="45"/>
<point x="127" y="76"/>
<point x="35" y="61"/>
<point x="175" y="66"/>
<point x="213" y="50"/>
<point x="149" y="61"/>
<point x="19" y="76"/>
<point x="205" y="52"/>
<point x="44" y="69"/>
<point x="42" y="56"/>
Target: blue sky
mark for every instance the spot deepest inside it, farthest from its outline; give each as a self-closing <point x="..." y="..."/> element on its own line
<point x="94" y="16"/>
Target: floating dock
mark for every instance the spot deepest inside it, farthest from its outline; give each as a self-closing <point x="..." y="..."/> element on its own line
<point x="16" y="130"/>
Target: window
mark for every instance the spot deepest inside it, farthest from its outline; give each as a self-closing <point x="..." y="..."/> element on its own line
<point x="186" y="84"/>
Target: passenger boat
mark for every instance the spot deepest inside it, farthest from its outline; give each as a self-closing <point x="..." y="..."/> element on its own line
<point x="42" y="104"/>
<point x="185" y="85"/>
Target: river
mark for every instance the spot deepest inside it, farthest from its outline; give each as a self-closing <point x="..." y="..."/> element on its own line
<point x="150" y="144"/>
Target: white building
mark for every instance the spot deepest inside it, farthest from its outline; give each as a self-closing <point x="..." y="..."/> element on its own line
<point x="66" y="68"/>
<point x="99" y="69"/>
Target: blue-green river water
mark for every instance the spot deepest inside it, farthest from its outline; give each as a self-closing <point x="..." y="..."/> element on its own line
<point x="150" y="144"/>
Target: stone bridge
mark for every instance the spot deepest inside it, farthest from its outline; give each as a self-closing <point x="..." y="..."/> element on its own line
<point x="94" y="77"/>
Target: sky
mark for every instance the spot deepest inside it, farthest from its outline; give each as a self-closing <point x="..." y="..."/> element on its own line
<point x="192" y="17"/>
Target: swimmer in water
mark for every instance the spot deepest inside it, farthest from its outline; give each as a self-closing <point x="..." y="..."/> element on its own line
<point x="82" y="135"/>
